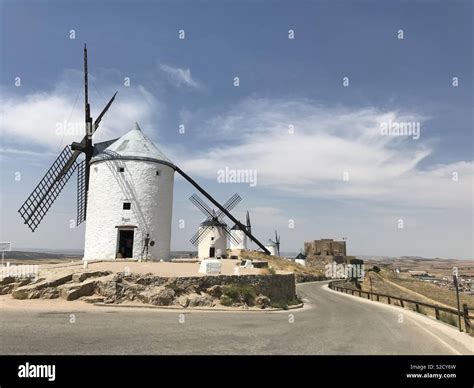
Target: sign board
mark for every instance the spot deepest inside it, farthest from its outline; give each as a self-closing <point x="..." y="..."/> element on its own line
<point x="246" y="264"/>
<point x="5" y="246"/>
<point x="210" y="266"/>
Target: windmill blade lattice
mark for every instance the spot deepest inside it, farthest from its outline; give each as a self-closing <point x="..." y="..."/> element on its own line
<point x="200" y="235"/>
<point x="81" y="193"/>
<point x="235" y="239"/>
<point x="40" y="200"/>
<point x="229" y="205"/>
<point x="201" y="205"/>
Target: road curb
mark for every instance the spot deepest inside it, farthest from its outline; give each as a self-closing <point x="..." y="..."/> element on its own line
<point x="293" y="307"/>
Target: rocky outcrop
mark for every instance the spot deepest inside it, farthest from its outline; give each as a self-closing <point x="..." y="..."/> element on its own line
<point x="8" y="284"/>
<point x="202" y="291"/>
<point x="50" y="288"/>
<point x="202" y="301"/>
<point x="262" y="301"/>
<point x="81" y="276"/>
<point x="215" y="291"/>
<point x="198" y="291"/>
<point x="74" y="291"/>
<point x="35" y="290"/>
<point x="7" y="280"/>
<point x="158" y="296"/>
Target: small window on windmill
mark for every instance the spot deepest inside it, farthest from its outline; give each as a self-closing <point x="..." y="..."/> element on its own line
<point x="158" y="172"/>
<point x="120" y="169"/>
<point x="127" y="206"/>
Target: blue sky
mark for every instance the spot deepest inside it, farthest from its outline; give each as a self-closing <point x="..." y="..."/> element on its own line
<point x="282" y="82"/>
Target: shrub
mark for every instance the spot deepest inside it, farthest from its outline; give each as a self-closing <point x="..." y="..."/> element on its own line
<point x="226" y="301"/>
<point x="238" y="293"/>
<point x="279" y="304"/>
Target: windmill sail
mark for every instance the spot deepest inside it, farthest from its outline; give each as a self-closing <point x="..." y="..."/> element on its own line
<point x="200" y="235"/>
<point x="40" y="200"/>
<point x="230" y="204"/>
<point x="81" y="193"/>
<point x="201" y="205"/>
<point x="277" y="243"/>
<point x="235" y="239"/>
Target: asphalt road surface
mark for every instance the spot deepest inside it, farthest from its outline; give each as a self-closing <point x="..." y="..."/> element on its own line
<point x="330" y="323"/>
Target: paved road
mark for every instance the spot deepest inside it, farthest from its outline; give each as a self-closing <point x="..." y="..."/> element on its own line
<point x="330" y="324"/>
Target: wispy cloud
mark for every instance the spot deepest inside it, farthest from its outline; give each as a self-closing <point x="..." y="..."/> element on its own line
<point x="24" y="152"/>
<point x="328" y="143"/>
<point x="180" y="77"/>
<point x="54" y="118"/>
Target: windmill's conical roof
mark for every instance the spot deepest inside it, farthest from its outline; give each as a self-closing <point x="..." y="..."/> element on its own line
<point x="212" y="222"/>
<point x="133" y="145"/>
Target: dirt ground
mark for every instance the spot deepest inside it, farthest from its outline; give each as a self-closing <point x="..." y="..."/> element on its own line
<point x="169" y="269"/>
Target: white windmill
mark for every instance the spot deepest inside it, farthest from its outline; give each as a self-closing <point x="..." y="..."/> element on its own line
<point x="130" y="201"/>
<point x="211" y="237"/>
<point x="125" y="188"/>
<point x="274" y="246"/>
<point x="240" y="238"/>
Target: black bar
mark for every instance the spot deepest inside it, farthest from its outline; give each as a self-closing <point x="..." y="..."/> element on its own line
<point x="135" y="371"/>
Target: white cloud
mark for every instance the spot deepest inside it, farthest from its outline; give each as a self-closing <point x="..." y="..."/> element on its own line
<point x="180" y="76"/>
<point x="326" y="143"/>
<point x="48" y="119"/>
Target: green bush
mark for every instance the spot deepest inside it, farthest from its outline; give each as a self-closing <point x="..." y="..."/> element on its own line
<point x="279" y="304"/>
<point x="226" y="301"/>
<point x="238" y="293"/>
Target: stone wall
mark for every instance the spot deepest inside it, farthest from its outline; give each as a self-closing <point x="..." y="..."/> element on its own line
<point x="276" y="287"/>
<point x="199" y="291"/>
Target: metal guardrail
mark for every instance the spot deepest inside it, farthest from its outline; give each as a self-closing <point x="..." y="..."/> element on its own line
<point x="464" y="313"/>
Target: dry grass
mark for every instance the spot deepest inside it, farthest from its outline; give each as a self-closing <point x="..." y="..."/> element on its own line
<point x="417" y="289"/>
<point x="441" y="295"/>
<point x="281" y="264"/>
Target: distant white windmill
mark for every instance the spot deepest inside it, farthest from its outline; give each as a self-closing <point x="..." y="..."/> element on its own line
<point x="274" y="246"/>
<point x="211" y="237"/>
<point x="239" y="235"/>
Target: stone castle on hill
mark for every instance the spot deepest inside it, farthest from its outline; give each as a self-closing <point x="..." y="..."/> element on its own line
<point x="326" y="251"/>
